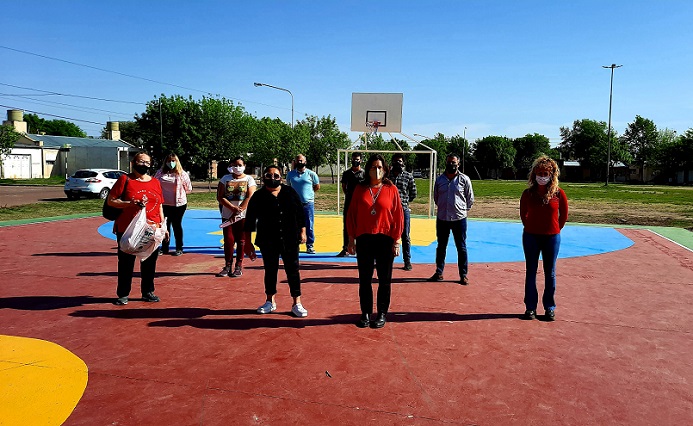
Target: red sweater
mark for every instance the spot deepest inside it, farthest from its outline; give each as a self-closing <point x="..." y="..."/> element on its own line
<point x="389" y="217"/>
<point x="540" y="218"/>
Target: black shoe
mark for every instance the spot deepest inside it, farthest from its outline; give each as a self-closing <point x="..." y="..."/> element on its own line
<point x="161" y="252"/>
<point x="177" y="253"/>
<point x="121" y="301"/>
<point x="407" y="267"/>
<point x="550" y="315"/>
<point x="343" y="253"/>
<point x="364" y="321"/>
<point x="150" y="297"/>
<point x="436" y="278"/>
<point x="529" y="315"/>
<point x="379" y="321"/>
<point x="464" y="281"/>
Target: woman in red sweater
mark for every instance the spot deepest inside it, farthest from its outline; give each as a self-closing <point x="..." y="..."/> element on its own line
<point x="544" y="212"/>
<point x="374" y="223"/>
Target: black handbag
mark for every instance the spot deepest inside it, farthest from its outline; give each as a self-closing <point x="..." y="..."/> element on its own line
<point x="110" y="212"/>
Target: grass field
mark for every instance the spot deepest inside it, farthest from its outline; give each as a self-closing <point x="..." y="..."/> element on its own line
<point x="589" y="203"/>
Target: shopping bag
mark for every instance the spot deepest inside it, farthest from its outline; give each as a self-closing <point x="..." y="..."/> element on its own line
<point x="141" y="238"/>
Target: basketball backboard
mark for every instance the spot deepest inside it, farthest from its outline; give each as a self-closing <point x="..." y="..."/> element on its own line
<point x="385" y="108"/>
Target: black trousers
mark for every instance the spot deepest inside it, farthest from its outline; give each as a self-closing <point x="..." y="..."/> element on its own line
<point x="174" y="216"/>
<point x="126" y="266"/>
<point x="374" y="251"/>
<point x="270" y="260"/>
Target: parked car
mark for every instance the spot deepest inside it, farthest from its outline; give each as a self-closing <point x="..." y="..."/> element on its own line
<point x="420" y="173"/>
<point x="91" y="183"/>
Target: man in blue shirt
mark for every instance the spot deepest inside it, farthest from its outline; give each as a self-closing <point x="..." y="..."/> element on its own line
<point x="305" y="182"/>
<point x="453" y="196"/>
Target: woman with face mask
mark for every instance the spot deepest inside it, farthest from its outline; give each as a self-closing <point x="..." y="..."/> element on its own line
<point x="175" y="184"/>
<point x="133" y="192"/>
<point x="233" y="194"/>
<point x="375" y="221"/>
<point x="276" y="213"/>
<point x="544" y="212"/>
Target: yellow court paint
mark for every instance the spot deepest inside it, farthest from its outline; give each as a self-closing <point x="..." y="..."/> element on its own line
<point x="40" y="382"/>
<point x="328" y="232"/>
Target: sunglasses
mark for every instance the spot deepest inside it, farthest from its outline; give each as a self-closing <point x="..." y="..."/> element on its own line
<point x="273" y="176"/>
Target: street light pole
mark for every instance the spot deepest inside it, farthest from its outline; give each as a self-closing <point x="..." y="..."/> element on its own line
<point x="464" y="145"/>
<point x="285" y="90"/>
<point x="608" y="142"/>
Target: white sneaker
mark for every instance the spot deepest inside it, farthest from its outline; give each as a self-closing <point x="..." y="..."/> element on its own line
<point x="299" y="311"/>
<point x="267" y="308"/>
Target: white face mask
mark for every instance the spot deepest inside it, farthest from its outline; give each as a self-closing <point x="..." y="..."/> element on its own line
<point x="543" y="180"/>
<point x="377" y="174"/>
<point x="171" y="165"/>
<point x="237" y="170"/>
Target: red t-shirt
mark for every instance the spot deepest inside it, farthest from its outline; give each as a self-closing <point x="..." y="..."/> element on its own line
<point x="540" y="218"/>
<point x="388" y="218"/>
<point x="134" y="191"/>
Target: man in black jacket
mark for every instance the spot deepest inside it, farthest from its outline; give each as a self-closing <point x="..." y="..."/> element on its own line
<point x="276" y="212"/>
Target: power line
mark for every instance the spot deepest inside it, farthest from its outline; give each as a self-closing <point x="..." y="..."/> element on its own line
<point x="63" y="105"/>
<point x="52" y="115"/>
<point x="72" y="96"/>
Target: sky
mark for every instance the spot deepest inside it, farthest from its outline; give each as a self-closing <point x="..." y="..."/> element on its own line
<point x="472" y="68"/>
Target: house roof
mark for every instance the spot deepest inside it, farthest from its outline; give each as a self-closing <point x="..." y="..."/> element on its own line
<point x="59" y="141"/>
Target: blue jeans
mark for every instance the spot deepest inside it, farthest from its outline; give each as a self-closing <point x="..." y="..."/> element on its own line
<point x="459" y="233"/>
<point x="406" y="239"/>
<point x="309" y="213"/>
<point x="548" y="246"/>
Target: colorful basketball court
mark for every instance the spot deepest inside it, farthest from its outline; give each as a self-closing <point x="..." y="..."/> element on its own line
<point x="619" y="352"/>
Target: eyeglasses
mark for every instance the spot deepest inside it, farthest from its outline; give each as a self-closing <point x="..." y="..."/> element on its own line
<point x="273" y="176"/>
<point x="143" y="163"/>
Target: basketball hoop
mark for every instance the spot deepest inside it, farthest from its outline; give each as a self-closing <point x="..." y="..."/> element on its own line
<point x="372" y="127"/>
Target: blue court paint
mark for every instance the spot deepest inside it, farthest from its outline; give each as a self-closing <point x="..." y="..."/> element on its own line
<point x="486" y="241"/>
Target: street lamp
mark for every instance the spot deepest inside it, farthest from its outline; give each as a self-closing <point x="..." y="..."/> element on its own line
<point x="464" y="145"/>
<point x="611" y="92"/>
<point x="285" y="90"/>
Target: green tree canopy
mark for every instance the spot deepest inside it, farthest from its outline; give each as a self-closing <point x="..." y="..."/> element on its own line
<point x="494" y="153"/>
<point x="528" y="148"/>
<point x="586" y="142"/>
<point x="8" y="137"/>
<point x="641" y="138"/>
<point x="37" y="125"/>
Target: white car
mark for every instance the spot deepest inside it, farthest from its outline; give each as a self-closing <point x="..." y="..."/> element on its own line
<point x="91" y="183"/>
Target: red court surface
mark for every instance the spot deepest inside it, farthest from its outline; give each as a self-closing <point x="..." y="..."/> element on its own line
<point x="618" y="353"/>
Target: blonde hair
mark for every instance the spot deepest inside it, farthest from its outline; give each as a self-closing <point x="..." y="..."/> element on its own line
<point x="165" y="168"/>
<point x="544" y="162"/>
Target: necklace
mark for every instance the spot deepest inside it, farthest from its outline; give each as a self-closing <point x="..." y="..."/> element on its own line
<point x="375" y="198"/>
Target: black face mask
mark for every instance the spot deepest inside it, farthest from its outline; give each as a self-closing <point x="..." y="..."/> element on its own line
<point x="300" y="165"/>
<point x="356" y="164"/>
<point x="141" y="169"/>
<point x="272" y="183"/>
<point x="451" y="168"/>
<point x="398" y="166"/>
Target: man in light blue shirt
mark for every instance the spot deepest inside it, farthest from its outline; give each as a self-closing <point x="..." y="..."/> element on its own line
<point x="453" y="196"/>
<point x="305" y="182"/>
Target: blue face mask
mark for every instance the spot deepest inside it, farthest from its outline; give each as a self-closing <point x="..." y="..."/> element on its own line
<point x="171" y="165"/>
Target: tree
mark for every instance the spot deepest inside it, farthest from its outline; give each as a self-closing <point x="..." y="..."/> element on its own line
<point x="460" y="146"/>
<point x="324" y="139"/>
<point x="641" y="139"/>
<point x="439" y="143"/>
<point x="494" y="153"/>
<point x="8" y="137"/>
<point x="39" y="125"/>
<point x="586" y="142"/>
<point x="528" y="148"/>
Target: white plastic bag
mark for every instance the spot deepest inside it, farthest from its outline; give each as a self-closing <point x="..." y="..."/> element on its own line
<point x="140" y="238"/>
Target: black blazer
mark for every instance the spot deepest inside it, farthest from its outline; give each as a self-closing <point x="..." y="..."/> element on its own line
<point x="278" y="220"/>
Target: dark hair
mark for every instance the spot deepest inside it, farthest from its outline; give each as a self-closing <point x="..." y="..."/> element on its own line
<point x="272" y="166"/>
<point x="238" y="158"/>
<point x="355" y="154"/>
<point x="451" y="155"/>
<point x="373" y="158"/>
<point x="396" y="156"/>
